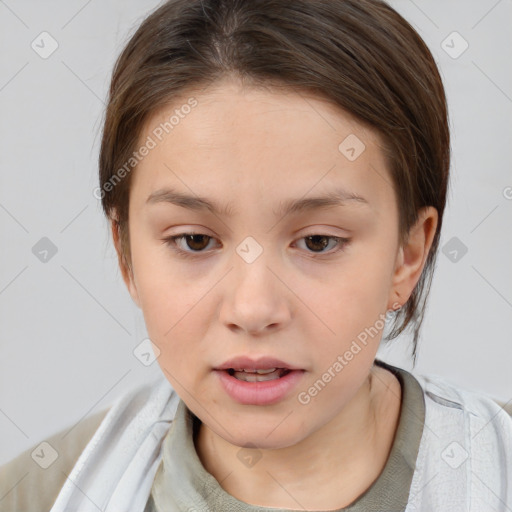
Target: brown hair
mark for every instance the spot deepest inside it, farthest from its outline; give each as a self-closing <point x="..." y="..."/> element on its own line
<point x="360" y="54"/>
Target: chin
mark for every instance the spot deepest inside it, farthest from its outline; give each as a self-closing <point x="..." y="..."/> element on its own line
<point x="259" y="438"/>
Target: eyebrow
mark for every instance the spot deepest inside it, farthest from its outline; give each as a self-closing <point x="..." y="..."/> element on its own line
<point x="337" y="197"/>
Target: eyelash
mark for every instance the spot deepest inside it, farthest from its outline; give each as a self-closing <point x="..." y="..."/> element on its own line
<point x="171" y="242"/>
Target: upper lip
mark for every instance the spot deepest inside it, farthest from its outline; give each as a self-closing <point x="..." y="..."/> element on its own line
<point x="262" y="363"/>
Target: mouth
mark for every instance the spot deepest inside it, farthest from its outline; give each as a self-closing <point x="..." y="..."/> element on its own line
<point x="247" y="375"/>
<point x="265" y="386"/>
<point x="263" y="380"/>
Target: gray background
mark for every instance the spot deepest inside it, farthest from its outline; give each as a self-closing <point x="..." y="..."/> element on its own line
<point x="68" y="327"/>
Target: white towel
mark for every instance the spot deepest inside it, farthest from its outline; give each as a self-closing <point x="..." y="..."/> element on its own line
<point x="116" y="470"/>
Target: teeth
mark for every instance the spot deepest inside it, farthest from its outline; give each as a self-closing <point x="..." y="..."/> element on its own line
<point x="260" y="372"/>
<point x="255" y="376"/>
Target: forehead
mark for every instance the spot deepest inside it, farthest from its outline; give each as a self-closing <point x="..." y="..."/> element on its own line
<point x="259" y="144"/>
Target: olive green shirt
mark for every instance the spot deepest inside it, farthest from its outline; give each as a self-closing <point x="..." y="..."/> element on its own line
<point x="182" y="482"/>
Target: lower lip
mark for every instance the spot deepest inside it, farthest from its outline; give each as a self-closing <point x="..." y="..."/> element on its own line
<point x="259" y="393"/>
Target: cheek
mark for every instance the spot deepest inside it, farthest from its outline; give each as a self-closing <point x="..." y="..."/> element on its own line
<point x="168" y="299"/>
<point x="369" y="271"/>
<point x="171" y="309"/>
<point x="176" y="322"/>
<point x="353" y="300"/>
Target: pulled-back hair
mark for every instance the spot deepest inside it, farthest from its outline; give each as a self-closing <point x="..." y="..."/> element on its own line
<point x="360" y="54"/>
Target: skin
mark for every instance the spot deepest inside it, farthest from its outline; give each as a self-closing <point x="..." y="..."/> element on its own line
<point x="256" y="148"/>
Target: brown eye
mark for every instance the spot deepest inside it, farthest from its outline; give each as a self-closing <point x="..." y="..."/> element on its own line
<point x="317" y="242"/>
<point x="189" y="244"/>
<point x="196" y="242"/>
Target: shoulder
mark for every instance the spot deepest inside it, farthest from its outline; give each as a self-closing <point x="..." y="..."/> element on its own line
<point x="473" y="410"/>
<point x="465" y="453"/>
<point x="33" y="479"/>
<point x="451" y="395"/>
<point x="467" y="440"/>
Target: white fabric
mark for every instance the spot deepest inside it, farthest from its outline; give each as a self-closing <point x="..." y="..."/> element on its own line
<point x="464" y="461"/>
<point x="465" y="456"/>
<point x="116" y="470"/>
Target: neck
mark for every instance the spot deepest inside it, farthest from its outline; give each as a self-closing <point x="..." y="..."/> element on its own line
<point x="327" y="470"/>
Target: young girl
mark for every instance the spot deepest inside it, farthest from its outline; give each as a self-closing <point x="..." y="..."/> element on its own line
<point x="275" y="174"/>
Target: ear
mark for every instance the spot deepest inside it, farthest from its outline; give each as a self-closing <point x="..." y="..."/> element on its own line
<point x="126" y="271"/>
<point x="411" y="257"/>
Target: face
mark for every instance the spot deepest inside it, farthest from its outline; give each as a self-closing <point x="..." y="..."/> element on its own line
<point x="259" y="279"/>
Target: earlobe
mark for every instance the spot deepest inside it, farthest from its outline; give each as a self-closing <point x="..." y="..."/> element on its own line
<point x="126" y="271"/>
<point x="411" y="257"/>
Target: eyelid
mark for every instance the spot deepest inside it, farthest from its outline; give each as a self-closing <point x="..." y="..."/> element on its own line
<point x="342" y="242"/>
<point x="171" y="242"/>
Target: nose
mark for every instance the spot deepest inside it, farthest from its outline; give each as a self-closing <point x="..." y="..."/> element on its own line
<point x="256" y="299"/>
